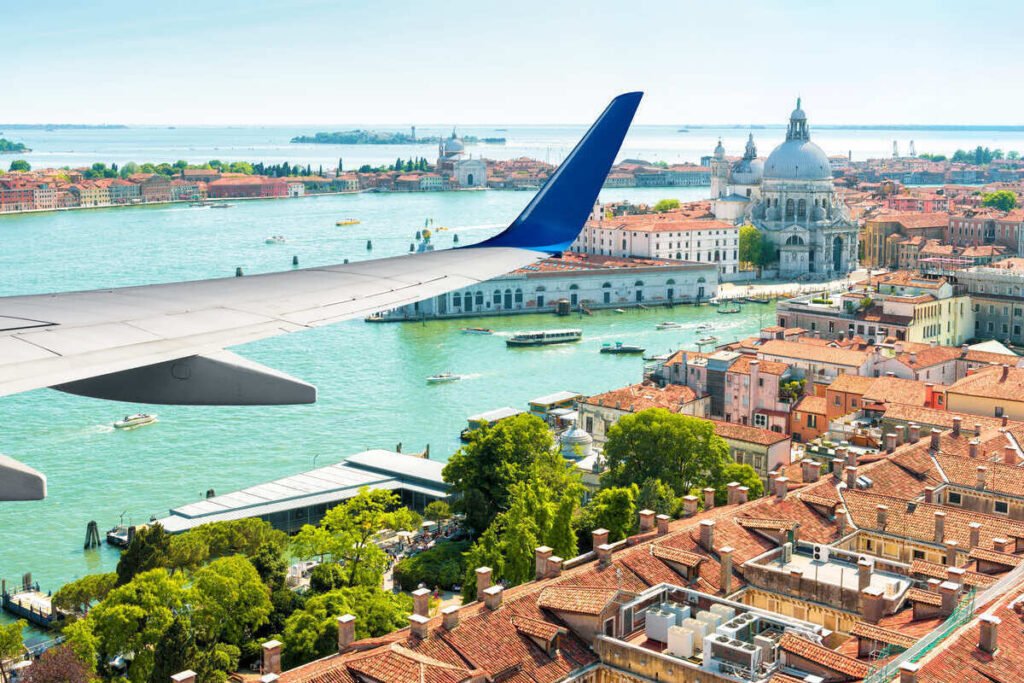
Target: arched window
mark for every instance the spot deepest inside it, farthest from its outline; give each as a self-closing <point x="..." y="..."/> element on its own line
<point x="795" y="241"/>
<point x="701" y="279"/>
<point x="801" y="209"/>
<point x="574" y="286"/>
<point x="519" y="296"/>
<point x="679" y="255"/>
<point x="790" y="209"/>
<point x="508" y="298"/>
<point x="542" y="288"/>
<point x="479" y="298"/>
<point x="638" y="283"/>
<point x="496" y="297"/>
<point x="457" y="299"/>
<point x="623" y="245"/>
<point x="670" y="281"/>
<point x="606" y="285"/>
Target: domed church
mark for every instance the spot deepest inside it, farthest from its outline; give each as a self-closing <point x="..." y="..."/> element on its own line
<point x="791" y="199"/>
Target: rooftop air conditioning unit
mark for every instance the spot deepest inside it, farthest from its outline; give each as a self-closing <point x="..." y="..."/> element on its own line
<point x="820" y="552"/>
<point x="733" y="652"/>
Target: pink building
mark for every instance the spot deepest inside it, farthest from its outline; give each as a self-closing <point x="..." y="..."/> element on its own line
<point x="751" y="394"/>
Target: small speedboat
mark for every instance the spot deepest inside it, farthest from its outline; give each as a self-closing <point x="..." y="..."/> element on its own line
<point x="219" y="205"/>
<point x="620" y="348"/>
<point x="620" y="310"/>
<point x="477" y="330"/>
<point x="135" y="421"/>
<point x="347" y="221"/>
<point x="275" y="239"/>
<point x="669" y="325"/>
<point x="443" y="378"/>
<point x="704" y="341"/>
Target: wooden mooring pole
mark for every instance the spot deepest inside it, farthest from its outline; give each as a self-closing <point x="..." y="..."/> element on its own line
<point x="92" y="536"/>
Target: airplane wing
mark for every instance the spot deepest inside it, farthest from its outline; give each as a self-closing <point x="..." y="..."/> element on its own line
<point x="166" y="343"/>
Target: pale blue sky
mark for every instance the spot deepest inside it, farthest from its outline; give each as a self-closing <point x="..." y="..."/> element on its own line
<point x="515" y="61"/>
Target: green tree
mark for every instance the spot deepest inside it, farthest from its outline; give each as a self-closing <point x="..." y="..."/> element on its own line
<point x="129" y="169"/>
<point x="327" y="576"/>
<point x="681" y="451"/>
<point x="175" y="651"/>
<point x="79" y="595"/>
<point x="664" y="205"/>
<point x="149" y="549"/>
<point x="1013" y="155"/>
<point x="1004" y="200"/>
<point x="271" y="565"/>
<point x="312" y="631"/>
<point x="613" y="509"/>
<point x="348" y="533"/>
<point x="520" y="535"/>
<point x="753" y="249"/>
<point x="443" y="565"/>
<point x="562" y="537"/>
<point x="80" y="638"/>
<point x="437" y="511"/>
<point x="738" y="472"/>
<point x="483" y="471"/>
<point x="229" y="602"/>
<point x="656" y="495"/>
<point x="20" y="165"/>
<point x="11" y="644"/>
<point x="486" y="552"/>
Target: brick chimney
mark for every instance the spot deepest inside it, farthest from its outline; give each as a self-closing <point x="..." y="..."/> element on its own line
<point x="872" y="604"/>
<point x="908" y="672"/>
<point x="841" y="520"/>
<point x="450" y="617"/>
<point x="604" y="554"/>
<point x="940" y="526"/>
<point x="950" y="593"/>
<point x="707" y="534"/>
<point x="973" y="445"/>
<point x="957" y="421"/>
<point x="554" y="566"/>
<point x="796" y="577"/>
<point x="1000" y="544"/>
<point x="709" y="498"/>
<point x="420" y="625"/>
<point x="881" y="515"/>
<point x="955" y="574"/>
<point x="809" y="470"/>
<point x="663" y="522"/>
<point x="541" y="554"/>
<point x="975" y="532"/>
<point x="492" y="597"/>
<point x="742" y="494"/>
<point x="732" y="490"/>
<point x="646" y="520"/>
<point x="837" y="468"/>
<point x="934" y="445"/>
<point x="598" y="537"/>
<point x="915" y="432"/>
<point x="421" y="602"/>
<point x="725" y="561"/>
<point x="982" y="474"/>
<point x="987" y="640"/>
<point x="977" y="429"/>
<point x="929" y="494"/>
<point x="864" y="568"/>
<point x="890" y="442"/>
<point x="270" y="661"/>
<point x="781" y="487"/>
<point x="689" y="506"/>
<point x="1009" y="455"/>
<point x="951" y="548"/>
<point x="851" y="477"/>
<point x="483" y="581"/>
<point x="346" y="631"/>
<point x="187" y="676"/>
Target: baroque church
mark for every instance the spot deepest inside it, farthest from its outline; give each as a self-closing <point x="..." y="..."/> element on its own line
<point x="791" y="199"/>
<point x="452" y="161"/>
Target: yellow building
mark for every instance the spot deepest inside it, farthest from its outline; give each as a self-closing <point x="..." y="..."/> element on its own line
<point x="993" y="392"/>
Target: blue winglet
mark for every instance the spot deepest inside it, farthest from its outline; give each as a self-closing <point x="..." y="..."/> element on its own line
<point x="556" y="215"/>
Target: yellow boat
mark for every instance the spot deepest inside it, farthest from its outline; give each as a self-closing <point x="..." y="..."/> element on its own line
<point x="348" y="221"/>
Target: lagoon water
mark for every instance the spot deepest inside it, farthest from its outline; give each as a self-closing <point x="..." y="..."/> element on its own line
<point x="371" y="377"/>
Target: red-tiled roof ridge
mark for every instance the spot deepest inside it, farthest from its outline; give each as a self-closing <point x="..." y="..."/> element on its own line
<point x="821" y="655"/>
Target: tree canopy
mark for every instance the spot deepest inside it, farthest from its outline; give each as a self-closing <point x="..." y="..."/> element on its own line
<point x="20" y="165"/>
<point x="664" y="205"/>
<point x="11" y="644"/>
<point x="754" y="249"/>
<point x="1004" y="200"/>
<point x="613" y="509"/>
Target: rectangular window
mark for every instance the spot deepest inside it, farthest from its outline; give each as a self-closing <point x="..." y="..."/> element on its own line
<point x="955" y="498"/>
<point x="999" y="411"/>
<point x="1002" y="507"/>
<point x="812" y="420"/>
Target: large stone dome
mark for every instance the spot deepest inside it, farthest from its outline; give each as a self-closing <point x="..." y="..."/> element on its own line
<point x="798" y="160"/>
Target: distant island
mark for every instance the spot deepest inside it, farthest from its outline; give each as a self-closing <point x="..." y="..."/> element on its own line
<point x="9" y="147"/>
<point x="59" y="126"/>
<point x="374" y="137"/>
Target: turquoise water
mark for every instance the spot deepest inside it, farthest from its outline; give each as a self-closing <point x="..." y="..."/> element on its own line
<point x="372" y="392"/>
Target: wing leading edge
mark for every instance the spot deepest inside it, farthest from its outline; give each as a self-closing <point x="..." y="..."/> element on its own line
<point x="165" y="343"/>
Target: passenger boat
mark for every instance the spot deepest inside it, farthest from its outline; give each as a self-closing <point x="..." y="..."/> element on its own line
<point x="443" y="378"/>
<point x="118" y="536"/>
<point x="219" y="205"/>
<point x="704" y="341"/>
<point x="731" y="307"/>
<point x="275" y="239"/>
<point x="477" y="330"/>
<point x="669" y="325"/>
<point x="134" y="421"/>
<point x="199" y="203"/>
<point x="544" y="337"/>
<point x="347" y="221"/>
<point x="620" y="348"/>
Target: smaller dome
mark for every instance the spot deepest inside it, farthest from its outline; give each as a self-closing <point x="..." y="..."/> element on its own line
<point x="453" y="145"/>
<point x="719" y="150"/>
<point x="798" y="113"/>
<point x="576" y="443"/>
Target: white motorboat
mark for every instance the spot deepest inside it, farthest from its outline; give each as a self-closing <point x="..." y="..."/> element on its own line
<point x="669" y="325"/>
<point x="477" y="330"/>
<point x="135" y="421"/>
<point x="443" y="378"/>
<point x="276" y="239"/>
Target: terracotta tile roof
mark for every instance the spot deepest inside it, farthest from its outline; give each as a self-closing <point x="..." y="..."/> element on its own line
<point x="999" y="478"/>
<point x="537" y="628"/>
<point x="830" y="659"/>
<point x="676" y="555"/>
<point x="940" y="571"/>
<point x="756" y="435"/>
<point x="995" y="556"/>
<point x="812" y="404"/>
<point x="924" y="597"/>
<point x="579" y="600"/>
<point x="765" y="367"/>
<point x="767" y="524"/>
<point x="637" y="397"/>
<point x="400" y="665"/>
<point x="809" y="352"/>
<point x="935" y="417"/>
<point x="990" y="383"/>
<point x="851" y="384"/>
<point x="863" y="629"/>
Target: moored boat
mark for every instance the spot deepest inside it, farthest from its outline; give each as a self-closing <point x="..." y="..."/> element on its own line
<point x="220" y="205"/>
<point x="348" y="221"/>
<point x="275" y="239"/>
<point x="477" y="330"/>
<point x="443" y="378"/>
<point x="136" y="420"/>
<point x="544" y="337"/>
<point x="704" y="341"/>
<point x="731" y="307"/>
<point x="669" y="325"/>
